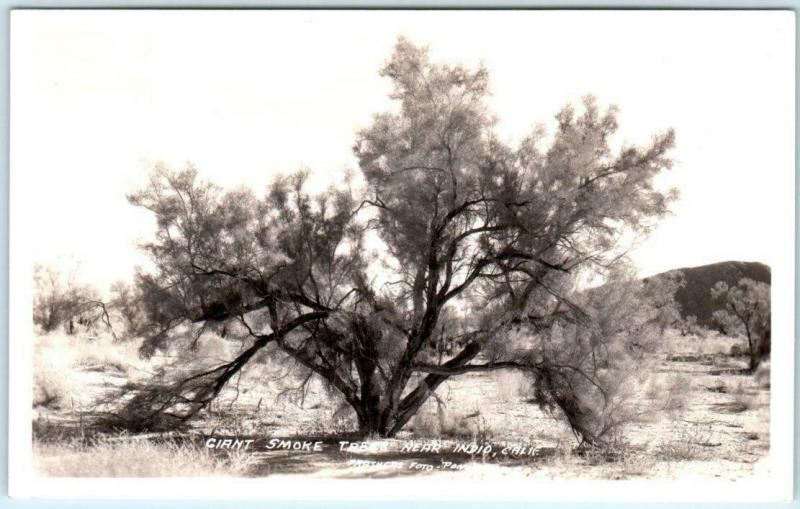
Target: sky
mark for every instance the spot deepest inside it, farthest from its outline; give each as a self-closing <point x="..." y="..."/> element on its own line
<point x="98" y="97"/>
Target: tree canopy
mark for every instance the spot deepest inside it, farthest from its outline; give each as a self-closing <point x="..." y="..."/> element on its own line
<point x="455" y="238"/>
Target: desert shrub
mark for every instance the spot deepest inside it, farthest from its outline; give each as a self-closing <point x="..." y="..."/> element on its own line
<point x="440" y="421"/>
<point x="605" y="359"/>
<point x="436" y="420"/>
<point x="426" y="425"/>
<point x="59" y="298"/>
<point x="688" y="444"/>
<point x="762" y="375"/>
<point x="472" y="427"/>
<point x="659" y="292"/>
<point x="52" y="430"/>
<point x="636" y="464"/>
<point x="690" y="327"/>
<point x="671" y="392"/>
<point x="101" y="352"/>
<point x="51" y="389"/>
<point x="711" y="344"/>
<point x="127" y="307"/>
<point x="338" y="422"/>
<point x="80" y="371"/>
<point x="57" y="364"/>
<point x="125" y="456"/>
<point x="742" y="399"/>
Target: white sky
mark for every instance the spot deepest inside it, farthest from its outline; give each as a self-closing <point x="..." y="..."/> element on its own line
<point x="98" y="96"/>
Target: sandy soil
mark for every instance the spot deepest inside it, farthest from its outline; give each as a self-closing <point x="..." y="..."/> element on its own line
<point x="716" y="426"/>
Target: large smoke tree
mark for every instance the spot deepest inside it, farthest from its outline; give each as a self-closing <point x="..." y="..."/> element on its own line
<point x="456" y="253"/>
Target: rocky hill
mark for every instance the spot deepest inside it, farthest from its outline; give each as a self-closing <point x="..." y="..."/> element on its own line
<point x="695" y="298"/>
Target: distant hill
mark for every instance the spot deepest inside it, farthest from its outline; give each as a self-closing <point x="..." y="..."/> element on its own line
<point x="695" y="298"/>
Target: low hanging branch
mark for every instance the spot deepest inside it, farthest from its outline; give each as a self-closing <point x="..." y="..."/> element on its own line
<point x="161" y="406"/>
<point x="545" y="374"/>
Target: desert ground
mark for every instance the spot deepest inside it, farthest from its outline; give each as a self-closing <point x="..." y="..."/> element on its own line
<point x="704" y="416"/>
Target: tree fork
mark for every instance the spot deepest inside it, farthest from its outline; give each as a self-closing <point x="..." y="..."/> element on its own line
<point x="409" y="406"/>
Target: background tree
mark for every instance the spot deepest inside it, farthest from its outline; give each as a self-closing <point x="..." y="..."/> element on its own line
<point x="59" y="299"/>
<point x="660" y="295"/>
<point x="747" y="310"/>
<point x="455" y="238"/>
<point x="689" y="327"/>
<point x="127" y="302"/>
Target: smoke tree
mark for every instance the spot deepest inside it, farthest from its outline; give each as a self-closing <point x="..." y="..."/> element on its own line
<point x="457" y="253"/>
<point x="746" y="310"/>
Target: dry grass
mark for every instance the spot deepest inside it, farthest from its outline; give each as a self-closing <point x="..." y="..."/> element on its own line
<point x="494" y="407"/>
<point x="65" y="366"/>
<point x="124" y="456"/>
<point x="445" y="422"/>
<point x="688" y="444"/>
<point x="62" y="351"/>
<point x="670" y="392"/>
<point x="74" y="371"/>
<point x="742" y="399"/>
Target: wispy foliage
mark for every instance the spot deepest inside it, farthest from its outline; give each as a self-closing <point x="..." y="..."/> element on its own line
<point x="748" y="311"/>
<point x="484" y="244"/>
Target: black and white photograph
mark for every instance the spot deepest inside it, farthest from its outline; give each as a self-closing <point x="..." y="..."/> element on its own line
<point x="457" y="254"/>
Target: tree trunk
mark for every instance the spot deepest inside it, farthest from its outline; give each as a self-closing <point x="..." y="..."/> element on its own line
<point x="370" y="423"/>
<point x="411" y="404"/>
<point x="753" y="360"/>
<point x="751" y="347"/>
<point x="377" y="418"/>
<point x="764" y="345"/>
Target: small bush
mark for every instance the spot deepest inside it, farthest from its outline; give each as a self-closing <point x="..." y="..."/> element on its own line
<point x="471" y="427"/>
<point x="51" y="389"/>
<point x="717" y="345"/>
<point x="678" y="450"/>
<point x="687" y="445"/>
<point x="742" y="400"/>
<point x="762" y="375"/>
<point x="59" y="298"/>
<point x="442" y="422"/>
<point x="675" y="391"/>
<point x="426" y="425"/>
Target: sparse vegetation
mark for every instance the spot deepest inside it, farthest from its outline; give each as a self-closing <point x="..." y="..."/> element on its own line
<point x="127" y="456"/>
<point x="742" y="399"/>
<point x="258" y="406"/>
<point x="675" y="393"/>
<point x="689" y="444"/>
<point x="60" y="299"/>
